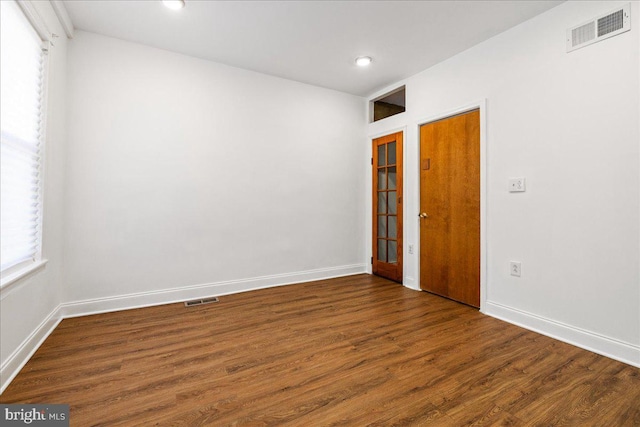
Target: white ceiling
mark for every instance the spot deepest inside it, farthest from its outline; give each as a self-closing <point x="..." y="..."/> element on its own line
<point x="314" y="42"/>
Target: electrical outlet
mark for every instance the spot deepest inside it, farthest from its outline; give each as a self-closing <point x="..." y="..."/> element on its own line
<point x="516" y="185"/>
<point x="410" y="249"/>
<point x="515" y="267"/>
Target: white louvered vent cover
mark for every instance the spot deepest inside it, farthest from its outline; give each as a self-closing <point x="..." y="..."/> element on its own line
<point x="604" y="26"/>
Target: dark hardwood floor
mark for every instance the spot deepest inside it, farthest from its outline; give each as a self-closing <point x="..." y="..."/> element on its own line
<point x="352" y="351"/>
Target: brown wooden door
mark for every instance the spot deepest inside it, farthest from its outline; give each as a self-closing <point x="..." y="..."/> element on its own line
<point x="450" y="207"/>
<point x="387" y="206"/>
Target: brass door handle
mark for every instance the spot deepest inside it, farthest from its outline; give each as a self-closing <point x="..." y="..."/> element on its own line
<point x="423" y="215"/>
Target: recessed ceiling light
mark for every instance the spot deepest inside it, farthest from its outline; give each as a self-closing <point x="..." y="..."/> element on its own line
<point x="174" y="4"/>
<point x="363" y="61"/>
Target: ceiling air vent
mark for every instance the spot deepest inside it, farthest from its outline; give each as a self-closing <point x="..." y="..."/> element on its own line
<point x="602" y="27"/>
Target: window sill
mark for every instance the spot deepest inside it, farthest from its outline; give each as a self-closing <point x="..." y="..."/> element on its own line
<point x="14" y="277"/>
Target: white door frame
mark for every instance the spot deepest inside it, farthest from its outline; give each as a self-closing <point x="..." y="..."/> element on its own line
<point x="482" y="106"/>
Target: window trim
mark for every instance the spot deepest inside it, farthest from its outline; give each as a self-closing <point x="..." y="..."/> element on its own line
<point x="12" y="276"/>
<point x="36" y="21"/>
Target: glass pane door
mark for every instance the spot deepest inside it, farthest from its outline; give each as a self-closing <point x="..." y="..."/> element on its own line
<point x="387" y="227"/>
<point x="387" y="209"/>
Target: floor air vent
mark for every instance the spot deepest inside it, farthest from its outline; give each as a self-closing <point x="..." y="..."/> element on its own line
<point x="604" y="26"/>
<point x="201" y="301"/>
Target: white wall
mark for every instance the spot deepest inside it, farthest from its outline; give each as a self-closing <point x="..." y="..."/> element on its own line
<point x="568" y="122"/>
<point x="183" y="172"/>
<point x="27" y="307"/>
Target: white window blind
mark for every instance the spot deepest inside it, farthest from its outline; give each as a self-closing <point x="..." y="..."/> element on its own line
<point x="21" y="120"/>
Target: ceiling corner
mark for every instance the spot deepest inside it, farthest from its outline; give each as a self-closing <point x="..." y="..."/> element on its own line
<point x="63" y="16"/>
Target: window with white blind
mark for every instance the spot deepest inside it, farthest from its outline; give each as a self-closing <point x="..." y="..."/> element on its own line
<point x="22" y="93"/>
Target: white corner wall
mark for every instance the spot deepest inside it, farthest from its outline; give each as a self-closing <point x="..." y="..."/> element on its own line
<point x="569" y="124"/>
<point x="28" y="306"/>
<point x="189" y="178"/>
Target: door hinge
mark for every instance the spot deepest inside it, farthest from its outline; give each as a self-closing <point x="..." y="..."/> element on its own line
<point x="371" y="260"/>
<point x="372" y="160"/>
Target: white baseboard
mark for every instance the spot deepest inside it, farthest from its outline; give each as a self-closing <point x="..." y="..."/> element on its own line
<point x="614" y="349"/>
<point x="169" y="296"/>
<point x="410" y="282"/>
<point x="23" y="353"/>
<point x="16" y="361"/>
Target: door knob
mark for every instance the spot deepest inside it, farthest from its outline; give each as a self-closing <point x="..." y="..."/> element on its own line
<point x="423" y="215"/>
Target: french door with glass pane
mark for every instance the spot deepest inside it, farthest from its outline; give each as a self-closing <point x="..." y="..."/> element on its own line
<point x="387" y="206"/>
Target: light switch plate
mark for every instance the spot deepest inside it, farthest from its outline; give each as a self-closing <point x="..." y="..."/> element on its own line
<point x="516" y="268"/>
<point x="516" y="185"/>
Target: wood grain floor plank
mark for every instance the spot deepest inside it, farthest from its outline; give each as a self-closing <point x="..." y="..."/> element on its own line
<point x="350" y="351"/>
